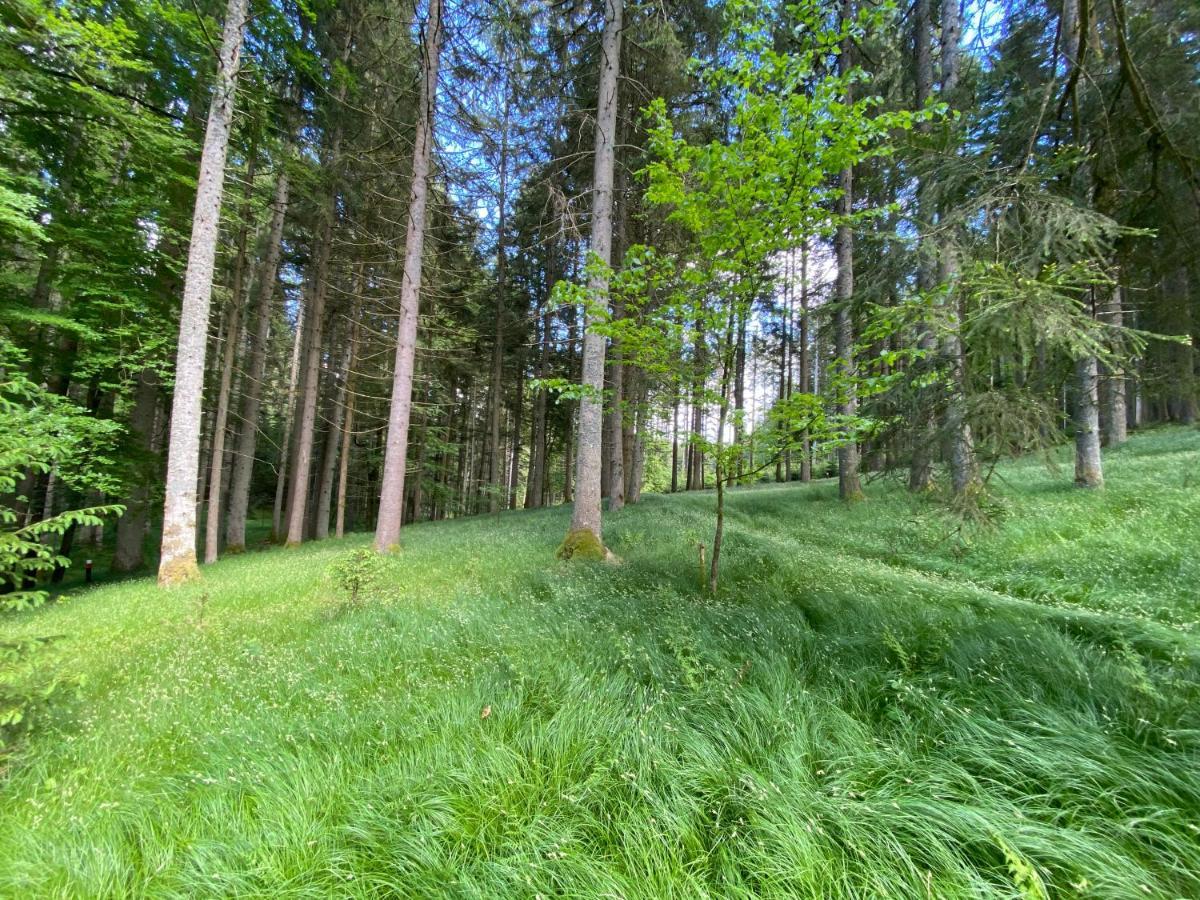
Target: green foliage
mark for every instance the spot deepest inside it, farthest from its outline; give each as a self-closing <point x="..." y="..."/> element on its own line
<point x="26" y="687"/>
<point x="44" y="432"/>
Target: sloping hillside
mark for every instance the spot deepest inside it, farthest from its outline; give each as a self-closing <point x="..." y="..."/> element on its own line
<point x="879" y="704"/>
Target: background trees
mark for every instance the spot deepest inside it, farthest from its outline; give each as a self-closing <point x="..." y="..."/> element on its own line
<point x="1010" y="254"/>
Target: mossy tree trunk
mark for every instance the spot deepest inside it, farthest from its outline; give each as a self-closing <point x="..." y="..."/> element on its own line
<point x="586" y="515"/>
<point x="177" y="561"/>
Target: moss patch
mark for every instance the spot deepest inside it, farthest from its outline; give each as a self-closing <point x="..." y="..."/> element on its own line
<point x="181" y="571"/>
<point x="582" y="543"/>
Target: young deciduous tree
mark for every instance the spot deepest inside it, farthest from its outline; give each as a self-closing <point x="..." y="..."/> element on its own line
<point x="770" y="185"/>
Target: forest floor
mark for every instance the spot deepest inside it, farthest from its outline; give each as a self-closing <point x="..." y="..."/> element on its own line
<point x="878" y="704"/>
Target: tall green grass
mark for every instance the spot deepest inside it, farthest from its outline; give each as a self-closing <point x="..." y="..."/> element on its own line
<point x="878" y="704"/>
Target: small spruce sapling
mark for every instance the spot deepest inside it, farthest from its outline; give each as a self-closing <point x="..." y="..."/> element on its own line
<point x="355" y="572"/>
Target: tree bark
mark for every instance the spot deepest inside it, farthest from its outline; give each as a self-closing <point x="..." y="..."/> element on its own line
<point x="391" y="500"/>
<point x="806" y="385"/>
<point x="514" y="471"/>
<point x="178" y="557"/>
<point x="495" y="397"/>
<point x="920" y="470"/>
<point x="285" y="446"/>
<point x="233" y="342"/>
<point x="586" y="516"/>
<point x="131" y="527"/>
<point x="212" y="518"/>
<point x="616" y="426"/>
<point x="1113" y="384"/>
<point x="535" y="484"/>
<point x="1088" y="468"/>
<point x="849" y="484"/>
<point x="333" y="440"/>
<point x="344" y="461"/>
<point x="637" y="468"/>
<point x="960" y="446"/>
<point x="247" y="444"/>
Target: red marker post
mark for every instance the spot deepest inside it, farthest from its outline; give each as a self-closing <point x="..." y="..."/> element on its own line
<point x="87" y="571"/>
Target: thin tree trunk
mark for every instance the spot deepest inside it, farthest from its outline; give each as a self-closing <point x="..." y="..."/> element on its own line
<point x="616" y="428"/>
<point x="344" y="463"/>
<point x="247" y="444"/>
<point x="675" y="443"/>
<point x="285" y="446"/>
<point x="178" y="557"/>
<point x="233" y="342"/>
<point x="721" y="476"/>
<point x="495" y="397"/>
<point x="297" y="509"/>
<point x="1089" y="471"/>
<point x="212" y="518"/>
<point x="920" y="470"/>
<point x="637" y="468"/>
<point x="1116" y="430"/>
<point x="586" y="516"/>
<point x="333" y="440"/>
<point x="806" y="385"/>
<point x="518" y="410"/>
<point x="391" y="500"/>
<point x="849" y="484"/>
<point x="131" y="527"/>
<point x="535" y="484"/>
<point x="960" y="446"/>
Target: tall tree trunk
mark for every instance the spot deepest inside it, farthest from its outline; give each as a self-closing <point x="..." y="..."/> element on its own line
<point x="1113" y="384"/>
<point x="806" y="385"/>
<point x="285" y="445"/>
<point x="637" y="467"/>
<point x="518" y="410"/>
<point x="344" y="462"/>
<point x="297" y="509"/>
<point x="212" y="519"/>
<point x="535" y="484"/>
<point x="739" y="392"/>
<point x="333" y="438"/>
<point x="495" y="397"/>
<point x="783" y="462"/>
<point x="177" y="561"/>
<point x="721" y="475"/>
<point x="695" y="459"/>
<point x="616" y="425"/>
<point x="585" y="518"/>
<point x="1088" y="469"/>
<point x="960" y="447"/>
<point x="849" y="484"/>
<point x="391" y="500"/>
<point x="131" y="527"/>
<point x="920" y="471"/>
<point x="233" y="343"/>
<point x="675" y="443"/>
<point x="247" y="444"/>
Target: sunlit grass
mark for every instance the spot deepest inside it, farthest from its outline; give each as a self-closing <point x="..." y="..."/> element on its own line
<point x="877" y="705"/>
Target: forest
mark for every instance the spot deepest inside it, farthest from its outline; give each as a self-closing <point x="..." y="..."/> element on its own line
<point x="600" y="448"/>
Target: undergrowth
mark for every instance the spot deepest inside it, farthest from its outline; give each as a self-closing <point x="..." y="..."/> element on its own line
<point x="877" y="704"/>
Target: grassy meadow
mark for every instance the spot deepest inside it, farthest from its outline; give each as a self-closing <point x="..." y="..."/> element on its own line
<point x="880" y="703"/>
